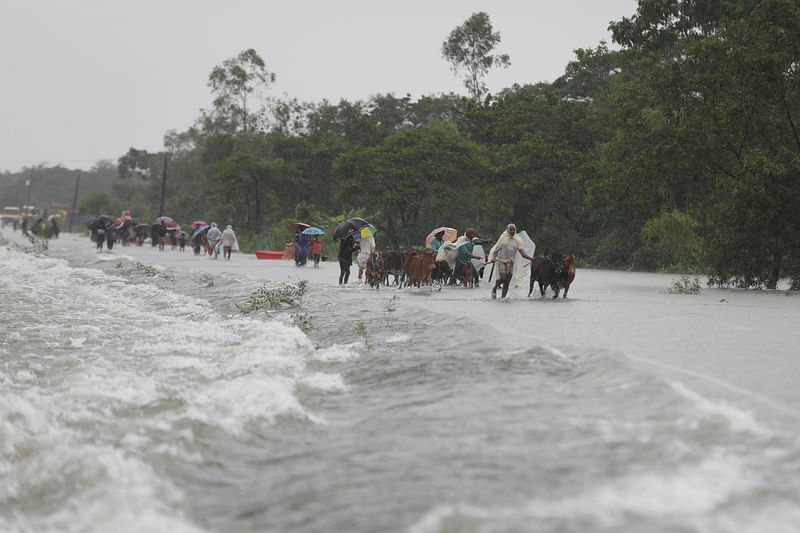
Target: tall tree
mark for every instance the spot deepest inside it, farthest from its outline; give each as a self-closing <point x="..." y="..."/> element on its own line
<point x="135" y="163"/>
<point x="233" y="82"/>
<point x="710" y="127"/>
<point x="468" y="48"/>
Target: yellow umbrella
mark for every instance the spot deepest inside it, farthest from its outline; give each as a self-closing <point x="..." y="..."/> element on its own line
<point x="368" y="231"/>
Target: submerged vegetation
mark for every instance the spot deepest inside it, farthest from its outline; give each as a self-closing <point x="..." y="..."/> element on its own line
<point x="685" y="286"/>
<point x="677" y="151"/>
<point x="274" y="298"/>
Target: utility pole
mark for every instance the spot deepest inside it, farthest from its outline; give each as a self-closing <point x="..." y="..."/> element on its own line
<point x="28" y="185"/>
<point x="74" y="203"/>
<point x="163" y="186"/>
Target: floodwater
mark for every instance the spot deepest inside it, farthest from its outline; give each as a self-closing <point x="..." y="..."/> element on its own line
<point x="136" y="396"/>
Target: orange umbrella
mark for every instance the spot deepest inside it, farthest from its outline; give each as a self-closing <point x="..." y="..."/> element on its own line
<point x="450" y="234"/>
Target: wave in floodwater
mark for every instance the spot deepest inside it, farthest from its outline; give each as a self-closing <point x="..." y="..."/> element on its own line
<point x="139" y="398"/>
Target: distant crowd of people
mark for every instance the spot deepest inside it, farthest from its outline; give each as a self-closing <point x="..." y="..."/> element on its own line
<point x="205" y="238"/>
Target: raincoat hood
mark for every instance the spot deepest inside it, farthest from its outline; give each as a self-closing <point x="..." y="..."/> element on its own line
<point x="502" y="239"/>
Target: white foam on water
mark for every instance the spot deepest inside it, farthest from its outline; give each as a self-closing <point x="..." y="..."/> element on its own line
<point x="690" y="496"/>
<point x="325" y="382"/>
<point x="338" y="353"/>
<point x="738" y="419"/>
<point x="101" y="369"/>
<point x="689" y="490"/>
<point x="398" y="338"/>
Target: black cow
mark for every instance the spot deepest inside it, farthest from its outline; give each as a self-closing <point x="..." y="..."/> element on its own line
<point x="546" y="273"/>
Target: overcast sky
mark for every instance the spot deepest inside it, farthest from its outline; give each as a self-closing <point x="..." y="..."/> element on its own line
<point x="85" y="80"/>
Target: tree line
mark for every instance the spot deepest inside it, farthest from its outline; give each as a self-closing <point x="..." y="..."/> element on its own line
<point x="679" y="149"/>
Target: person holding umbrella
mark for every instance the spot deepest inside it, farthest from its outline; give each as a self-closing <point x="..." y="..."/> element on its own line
<point x="315" y="245"/>
<point x="438" y="241"/>
<point x="301" y="248"/>
<point x="346" y="248"/>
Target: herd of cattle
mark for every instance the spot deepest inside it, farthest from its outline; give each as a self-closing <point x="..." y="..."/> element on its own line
<point x="416" y="268"/>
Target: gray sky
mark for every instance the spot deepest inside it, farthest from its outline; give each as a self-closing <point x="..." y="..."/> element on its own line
<point x="85" y="80"/>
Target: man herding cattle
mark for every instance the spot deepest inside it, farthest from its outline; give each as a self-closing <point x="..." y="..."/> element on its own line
<point x="503" y="253"/>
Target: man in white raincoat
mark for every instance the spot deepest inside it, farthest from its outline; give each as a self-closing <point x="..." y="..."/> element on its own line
<point x="228" y="242"/>
<point x="214" y="236"/>
<point x="503" y="253"/>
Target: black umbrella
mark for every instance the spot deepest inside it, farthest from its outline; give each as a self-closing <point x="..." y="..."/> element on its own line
<point x="101" y="222"/>
<point x="351" y="226"/>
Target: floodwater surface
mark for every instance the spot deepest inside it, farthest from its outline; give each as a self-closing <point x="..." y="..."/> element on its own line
<point x="137" y="396"/>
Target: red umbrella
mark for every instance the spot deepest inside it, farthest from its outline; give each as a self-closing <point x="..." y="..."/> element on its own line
<point x="197" y="223"/>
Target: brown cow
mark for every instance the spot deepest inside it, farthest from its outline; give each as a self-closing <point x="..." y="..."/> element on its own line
<point x="374" y="271"/>
<point x="393" y="264"/>
<point x="567" y="271"/>
<point x="418" y="267"/>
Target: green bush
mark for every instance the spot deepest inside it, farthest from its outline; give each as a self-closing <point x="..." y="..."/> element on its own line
<point x="685" y="286"/>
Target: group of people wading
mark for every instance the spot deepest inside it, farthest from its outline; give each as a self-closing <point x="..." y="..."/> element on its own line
<point x="209" y="238"/>
<point x="446" y="262"/>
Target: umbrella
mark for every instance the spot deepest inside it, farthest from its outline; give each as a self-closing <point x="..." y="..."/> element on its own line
<point x="140" y="227"/>
<point x="172" y="226"/>
<point x="344" y="230"/>
<point x="199" y="230"/>
<point x="450" y="235"/>
<point x="313" y="231"/>
<point x="118" y="223"/>
<point x="352" y="226"/>
<point x="197" y="223"/>
<point x="368" y="231"/>
<point x="294" y="225"/>
<point x="101" y="222"/>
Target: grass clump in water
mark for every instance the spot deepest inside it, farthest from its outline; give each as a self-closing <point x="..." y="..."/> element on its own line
<point x="685" y="286"/>
<point x="274" y="298"/>
<point x="304" y="322"/>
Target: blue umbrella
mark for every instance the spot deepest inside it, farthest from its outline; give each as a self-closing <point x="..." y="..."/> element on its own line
<point x="313" y="231"/>
<point x="201" y="229"/>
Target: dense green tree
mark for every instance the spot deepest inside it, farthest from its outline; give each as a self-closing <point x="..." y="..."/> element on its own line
<point x="242" y="189"/>
<point x="97" y="203"/>
<point x="710" y="128"/>
<point x="468" y="48"/>
<point x="136" y="163"/>
<point x="545" y="149"/>
<point x="415" y="180"/>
